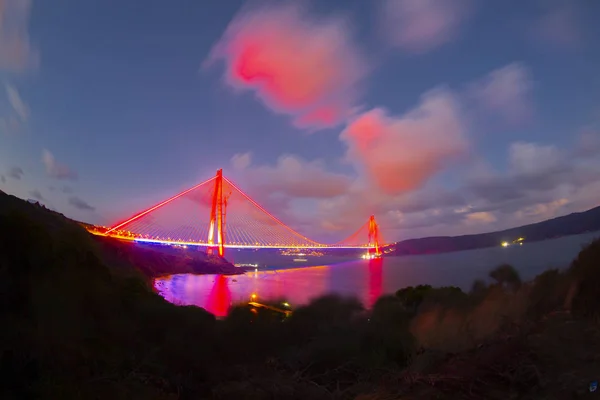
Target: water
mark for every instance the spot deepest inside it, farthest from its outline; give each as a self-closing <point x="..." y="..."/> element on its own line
<point x="365" y="279"/>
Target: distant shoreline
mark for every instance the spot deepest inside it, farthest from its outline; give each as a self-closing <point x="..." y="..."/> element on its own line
<point x="568" y="225"/>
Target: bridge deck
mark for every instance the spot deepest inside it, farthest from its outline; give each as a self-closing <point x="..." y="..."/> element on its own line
<point x="236" y="246"/>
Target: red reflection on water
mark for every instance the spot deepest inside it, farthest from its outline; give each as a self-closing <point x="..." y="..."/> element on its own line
<point x="219" y="298"/>
<point x="297" y="286"/>
<point x="375" y="281"/>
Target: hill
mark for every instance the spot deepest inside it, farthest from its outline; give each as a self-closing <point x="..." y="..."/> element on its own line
<point x="572" y="224"/>
<point x="151" y="261"/>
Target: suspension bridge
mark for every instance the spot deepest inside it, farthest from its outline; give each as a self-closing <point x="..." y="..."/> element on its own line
<point x="216" y="214"/>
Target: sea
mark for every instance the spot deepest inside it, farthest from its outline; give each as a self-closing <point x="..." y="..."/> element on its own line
<point x="281" y="278"/>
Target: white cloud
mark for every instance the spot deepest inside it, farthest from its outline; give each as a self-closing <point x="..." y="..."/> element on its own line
<point x="422" y="25"/>
<point x="17" y="103"/>
<point x="506" y="91"/>
<point x="56" y="170"/>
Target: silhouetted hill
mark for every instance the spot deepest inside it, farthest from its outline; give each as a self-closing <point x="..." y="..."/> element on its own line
<point x="572" y="224"/>
<point x="152" y="261"/>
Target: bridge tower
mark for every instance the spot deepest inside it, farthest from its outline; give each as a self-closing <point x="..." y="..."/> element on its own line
<point x="217" y="217"/>
<point x="374" y="235"/>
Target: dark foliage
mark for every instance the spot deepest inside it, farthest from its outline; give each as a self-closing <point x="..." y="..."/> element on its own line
<point x="585" y="273"/>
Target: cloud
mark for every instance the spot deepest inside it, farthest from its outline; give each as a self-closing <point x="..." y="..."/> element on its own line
<point x="558" y="26"/>
<point x="532" y="160"/>
<point x="37" y="195"/>
<point x="588" y="145"/>
<point x="292" y="176"/>
<point x="295" y="64"/>
<point x="397" y="157"/>
<point x="9" y="125"/>
<point x="420" y="26"/>
<point x="56" y="170"/>
<point x="540" y="182"/>
<point x="536" y="172"/>
<point x="506" y="91"/>
<point x="400" y="154"/>
<point x="16" y="52"/>
<point x="348" y="212"/>
<point x="80" y="204"/>
<point x="2" y="179"/>
<point x="15" y="173"/>
<point x="18" y="105"/>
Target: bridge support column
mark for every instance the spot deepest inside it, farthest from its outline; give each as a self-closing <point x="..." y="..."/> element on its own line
<point x="374" y="236"/>
<point x="217" y="218"/>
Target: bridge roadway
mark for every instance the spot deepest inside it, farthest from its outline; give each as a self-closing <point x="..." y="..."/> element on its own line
<point x="237" y="246"/>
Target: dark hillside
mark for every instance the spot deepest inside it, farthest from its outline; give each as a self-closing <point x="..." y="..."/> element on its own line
<point x="154" y="261"/>
<point x="73" y="328"/>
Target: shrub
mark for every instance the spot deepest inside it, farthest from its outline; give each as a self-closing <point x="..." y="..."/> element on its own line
<point x="506" y="276"/>
<point x="548" y="293"/>
<point x="412" y="297"/>
<point x="585" y="273"/>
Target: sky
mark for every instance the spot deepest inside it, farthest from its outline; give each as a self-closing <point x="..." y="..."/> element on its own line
<point x="440" y="117"/>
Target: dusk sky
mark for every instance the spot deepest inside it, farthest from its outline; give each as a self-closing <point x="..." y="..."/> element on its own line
<point x="441" y="117"/>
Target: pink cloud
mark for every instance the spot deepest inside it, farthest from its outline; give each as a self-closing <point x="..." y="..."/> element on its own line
<point x="423" y="25"/>
<point x="294" y="63"/>
<point x="400" y="154"/>
<point x="506" y="91"/>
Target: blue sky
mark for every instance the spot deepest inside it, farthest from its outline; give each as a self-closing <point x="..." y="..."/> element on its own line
<point x="109" y="107"/>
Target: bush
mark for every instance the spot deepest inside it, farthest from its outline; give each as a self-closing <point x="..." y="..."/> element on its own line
<point x="585" y="275"/>
<point x="445" y="297"/>
<point x="548" y="293"/>
<point x="506" y="276"/>
<point x="412" y="297"/>
<point x="388" y="339"/>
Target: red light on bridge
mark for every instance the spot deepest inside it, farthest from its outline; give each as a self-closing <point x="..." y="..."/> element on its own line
<point x="250" y="225"/>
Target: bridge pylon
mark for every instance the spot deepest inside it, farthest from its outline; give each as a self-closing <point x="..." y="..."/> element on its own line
<point x="217" y="217"/>
<point x="374" y="236"/>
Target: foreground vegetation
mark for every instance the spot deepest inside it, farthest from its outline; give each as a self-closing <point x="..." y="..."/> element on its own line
<point x="78" y="324"/>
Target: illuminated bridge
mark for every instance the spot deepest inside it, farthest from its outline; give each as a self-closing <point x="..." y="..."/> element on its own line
<point x="217" y="214"/>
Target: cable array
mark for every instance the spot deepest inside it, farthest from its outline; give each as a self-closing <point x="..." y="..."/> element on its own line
<point x="185" y="219"/>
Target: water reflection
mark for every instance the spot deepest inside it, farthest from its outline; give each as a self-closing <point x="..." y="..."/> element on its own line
<point x="368" y="280"/>
<point x="375" y="281"/>
<point x="219" y="299"/>
<point x="297" y="286"/>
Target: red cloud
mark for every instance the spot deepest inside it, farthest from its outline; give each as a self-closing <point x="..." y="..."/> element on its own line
<point x="399" y="154"/>
<point x="295" y="64"/>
